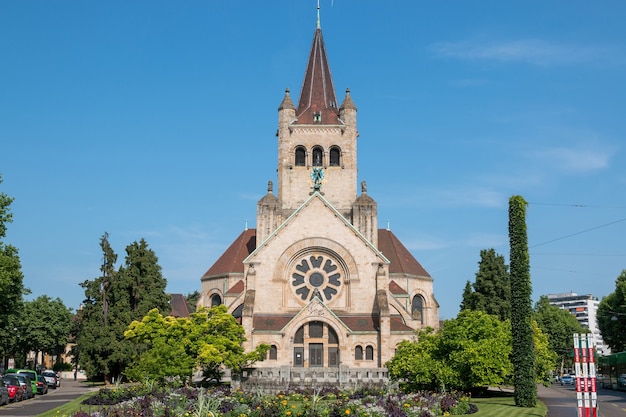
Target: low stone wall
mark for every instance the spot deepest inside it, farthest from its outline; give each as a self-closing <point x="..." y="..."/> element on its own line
<point x="273" y="380"/>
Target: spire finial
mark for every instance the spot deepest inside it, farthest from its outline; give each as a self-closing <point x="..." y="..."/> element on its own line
<point x="319" y="26"/>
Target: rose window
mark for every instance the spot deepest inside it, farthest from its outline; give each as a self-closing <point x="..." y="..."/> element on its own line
<point x="316" y="276"/>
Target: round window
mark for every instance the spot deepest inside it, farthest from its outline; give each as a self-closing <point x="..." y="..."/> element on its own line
<point x="316" y="275"/>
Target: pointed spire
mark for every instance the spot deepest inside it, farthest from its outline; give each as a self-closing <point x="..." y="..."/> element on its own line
<point x="318" y="101"/>
<point x="347" y="102"/>
<point x="286" y="103"/>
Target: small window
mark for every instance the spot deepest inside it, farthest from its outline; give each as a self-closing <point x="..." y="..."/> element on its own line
<point x="299" y="336"/>
<point x="332" y="336"/>
<point x="369" y="353"/>
<point x="317" y="117"/>
<point x="335" y="156"/>
<point x="300" y="156"/>
<point x="417" y="307"/>
<point x="316" y="329"/>
<point x="358" y="353"/>
<point x="216" y="300"/>
<point x="317" y="156"/>
<point x="273" y="353"/>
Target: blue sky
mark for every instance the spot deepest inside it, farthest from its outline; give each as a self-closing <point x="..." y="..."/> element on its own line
<point x="157" y="120"/>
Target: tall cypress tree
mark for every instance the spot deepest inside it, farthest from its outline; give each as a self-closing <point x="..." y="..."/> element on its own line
<point x="523" y="352"/>
<point x="491" y="292"/>
<point x="112" y="302"/>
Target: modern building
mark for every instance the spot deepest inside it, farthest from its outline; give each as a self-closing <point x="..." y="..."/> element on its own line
<point x="584" y="308"/>
<point x="317" y="280"/>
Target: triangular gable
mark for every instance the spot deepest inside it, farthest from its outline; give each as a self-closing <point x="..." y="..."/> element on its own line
<point x="336" y="214"/>
<point x="318" y="308"/>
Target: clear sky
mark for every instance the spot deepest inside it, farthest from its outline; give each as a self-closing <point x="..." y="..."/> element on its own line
<point x="157" y="120"/>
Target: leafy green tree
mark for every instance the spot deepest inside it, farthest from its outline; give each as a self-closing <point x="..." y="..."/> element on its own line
<point x="192" y="300"/>
<point x="491" y="292"/>
<point x="545" y="357"/>
<point x="11" y="283"/>
<point x="419" y="366"/>
<point x="523" y="354"/>
<point x="46" y="325"/>
<point x="112" y="302"/>
<point x="477" y="345"/>
<point x="470" y="352"/>
<point x="558" y="325"/>
<point x="174" y="347"/>
<point x="612" y="316"/>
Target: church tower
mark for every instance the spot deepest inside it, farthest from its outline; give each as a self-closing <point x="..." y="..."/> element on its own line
<point x="317" y="280"/>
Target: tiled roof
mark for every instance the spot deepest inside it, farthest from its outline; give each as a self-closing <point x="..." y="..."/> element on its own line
<point x="178" y="304"/>
<point x="231" y="261"/>
<point x="395" y="289"/>
<point x="362" y="323"/>
<point x="401" y="259"/>
<point x="318" y="92"/>
<point x="237" y="288"/>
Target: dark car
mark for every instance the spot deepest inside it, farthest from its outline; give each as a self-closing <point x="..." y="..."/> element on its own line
<point x="42" y="385"/>
<point x="4" y="393"/>
<point x="28" y="387"/>
<point x="16" y="392"/>
<point x="52" y="379"/>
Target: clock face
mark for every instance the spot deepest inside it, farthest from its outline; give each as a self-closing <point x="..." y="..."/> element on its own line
<point x="316" y="275"/>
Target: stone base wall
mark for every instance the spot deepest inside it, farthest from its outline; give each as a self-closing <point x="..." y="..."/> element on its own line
<point x="274" y="380"/>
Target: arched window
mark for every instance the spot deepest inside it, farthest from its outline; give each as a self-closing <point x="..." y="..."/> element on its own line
<point x="300" y="156"/>
<point x="316" y="329"/>
<point x="273" y="353"/>
<point x="238" y="313"/>
<point x="417" y="307"/>
<point x="369" y="353"/>
<point x="318" y="156"/>
<point x="216" y="300"/>
<point x="358" y="353"/>
<point x="299" y="336"/>
<point x="335" y="156"/>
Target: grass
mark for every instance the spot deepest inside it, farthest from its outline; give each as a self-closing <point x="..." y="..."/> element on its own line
<point x="68" y="408"/>
<point x="496" y="404"/>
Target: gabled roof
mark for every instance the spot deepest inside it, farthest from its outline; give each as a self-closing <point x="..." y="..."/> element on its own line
<point x="237" y="288"/>
<point x="401" y="259"/>
<point x="179" y="306"/>
<point x="396" y="289"/>
<point x="317" y="196"/>
<point x="318" y="93"/>
<point x="231" y="261"/>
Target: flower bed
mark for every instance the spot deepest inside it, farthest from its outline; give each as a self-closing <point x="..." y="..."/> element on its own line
<point x="153" y="401"/>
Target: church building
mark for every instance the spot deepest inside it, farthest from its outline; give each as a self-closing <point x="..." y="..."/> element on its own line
<point x="317" y="280"/>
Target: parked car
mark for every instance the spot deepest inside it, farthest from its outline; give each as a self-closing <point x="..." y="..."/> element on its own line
<point x="28" y="387"/>
<point x="42" y="385"/>
<point x="52" y="379"/>
<point x="567" y="379"/>
<point x="16" y="392"/>
<point x="4" y="393"/>
<point x="29" y="373"/>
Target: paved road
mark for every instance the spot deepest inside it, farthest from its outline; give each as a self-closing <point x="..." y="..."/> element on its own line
<point x="561" y="401"/>
<point x="54" y="398"/>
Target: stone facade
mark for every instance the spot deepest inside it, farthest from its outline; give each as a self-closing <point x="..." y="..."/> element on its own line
<point x="317" y="280"/>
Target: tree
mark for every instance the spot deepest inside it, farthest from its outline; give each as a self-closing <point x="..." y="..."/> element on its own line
<point x="523" y="353"/>
<point x="174" y="347"/>
<point x="558" y="325"/>
<point x="612" y="316"/>
<point x="11" y="283"/>
<point x="470" y="352"/>
<point x="95" y="339"/>
<point x="112" y="302"/>
<point x="491" y="292"/>
<point x="192" y="300"/>
<point x="46" y="325"/>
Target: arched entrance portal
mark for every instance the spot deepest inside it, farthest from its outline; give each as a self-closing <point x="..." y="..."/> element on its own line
<point x="315" y="345"/>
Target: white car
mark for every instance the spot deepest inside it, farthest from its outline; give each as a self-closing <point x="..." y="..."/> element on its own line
<point x="52" y="379"/>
